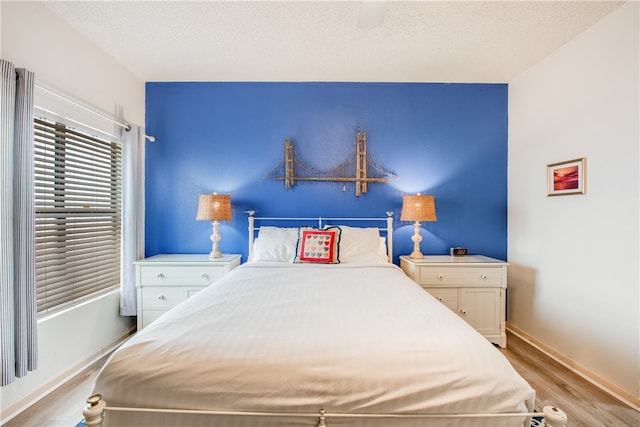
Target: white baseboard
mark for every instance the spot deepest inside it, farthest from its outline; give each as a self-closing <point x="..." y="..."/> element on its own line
<point x="17" y="408"/>
<point x="601" y="383"/>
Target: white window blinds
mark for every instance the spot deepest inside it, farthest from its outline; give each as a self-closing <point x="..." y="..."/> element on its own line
<point x="78" y="184"/>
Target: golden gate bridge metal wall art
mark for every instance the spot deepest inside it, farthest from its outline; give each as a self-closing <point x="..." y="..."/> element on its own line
<point x="361" y="169"/>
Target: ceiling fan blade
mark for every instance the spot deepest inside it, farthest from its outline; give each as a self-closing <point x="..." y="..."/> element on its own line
<point x="371" y="14"/>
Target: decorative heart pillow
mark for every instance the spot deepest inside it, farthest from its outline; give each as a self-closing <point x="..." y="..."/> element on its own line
<point x="320" y="246"/>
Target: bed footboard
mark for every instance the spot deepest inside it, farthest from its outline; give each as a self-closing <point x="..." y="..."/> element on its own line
<point x="94" y="414"/>
<point x="554" y="417"/>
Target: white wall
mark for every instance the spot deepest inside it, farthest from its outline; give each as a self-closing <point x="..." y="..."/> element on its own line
<point x="574" y="276"/>
<point x="34" y="38"/>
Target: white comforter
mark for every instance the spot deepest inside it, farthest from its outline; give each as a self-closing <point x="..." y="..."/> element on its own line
<point x="297" y="338"/>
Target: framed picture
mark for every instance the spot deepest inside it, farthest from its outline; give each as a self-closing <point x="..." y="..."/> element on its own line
<point x="567" y="177"/>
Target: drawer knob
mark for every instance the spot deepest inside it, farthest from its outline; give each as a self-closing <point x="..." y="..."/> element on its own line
<point x="463" y="312"/>
<point x="161" y="297"/>
<point x="440" y="299"/>
<point x="440" y="277"/>
<point x="484" y="277"/>
<point x="159" y="275"/>
<point x="204" y="275"/>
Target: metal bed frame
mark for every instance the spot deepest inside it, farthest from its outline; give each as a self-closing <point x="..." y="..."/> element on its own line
<point x="96" y="408"/>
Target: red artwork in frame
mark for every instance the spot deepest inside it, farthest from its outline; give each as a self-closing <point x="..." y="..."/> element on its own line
<point x="567" y="177"/>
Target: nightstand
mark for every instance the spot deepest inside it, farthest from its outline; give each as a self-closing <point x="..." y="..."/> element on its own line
<point x="164" y="281"/>
<point x="473" y="286"/>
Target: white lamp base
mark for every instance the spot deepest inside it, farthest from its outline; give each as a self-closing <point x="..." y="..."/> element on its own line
<point x="416" y="238"/>
<point x="215" y="238"/>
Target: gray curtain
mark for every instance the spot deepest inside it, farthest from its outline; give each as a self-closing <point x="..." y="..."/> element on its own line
<point x="18" y="309"/>
<point x="132" y="216"/>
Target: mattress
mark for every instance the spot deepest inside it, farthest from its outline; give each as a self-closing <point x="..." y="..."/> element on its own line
<point x="296" y="338"/>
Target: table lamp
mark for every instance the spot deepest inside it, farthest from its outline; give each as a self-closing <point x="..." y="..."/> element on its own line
<point x="214" y="207"/>
<point x="418" y="208"/>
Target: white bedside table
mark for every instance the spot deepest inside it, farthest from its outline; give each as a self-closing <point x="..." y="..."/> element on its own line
<point x="473" y="286"/>
<point x="164" y="281"/>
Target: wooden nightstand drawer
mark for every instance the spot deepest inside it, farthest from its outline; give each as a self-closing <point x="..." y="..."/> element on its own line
<point x="447" y="296"/>
<point x="155" y="275"/>
<point x="459" y="276"/>
<point x="163" y="298"/>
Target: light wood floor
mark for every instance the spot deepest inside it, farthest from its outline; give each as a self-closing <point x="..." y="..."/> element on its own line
<point x="585" y="404"/>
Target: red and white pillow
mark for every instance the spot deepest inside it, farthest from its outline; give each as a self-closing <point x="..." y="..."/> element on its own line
<point x="318" y="246"/>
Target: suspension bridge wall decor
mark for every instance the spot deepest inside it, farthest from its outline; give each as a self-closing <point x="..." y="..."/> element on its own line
<point x="360" y="169"/>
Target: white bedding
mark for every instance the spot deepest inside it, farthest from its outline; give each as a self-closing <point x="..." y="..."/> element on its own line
<point x="356" y="338"/>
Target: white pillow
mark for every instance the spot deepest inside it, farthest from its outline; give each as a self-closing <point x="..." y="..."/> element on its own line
<point x="362" y="245"/>
<point x="382" y="251"/>
<point x="275" y="244"/>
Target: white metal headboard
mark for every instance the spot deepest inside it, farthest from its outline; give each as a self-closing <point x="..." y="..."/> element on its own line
<point x="321" y="222"/>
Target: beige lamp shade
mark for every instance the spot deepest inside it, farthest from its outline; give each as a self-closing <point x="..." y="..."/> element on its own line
<point x="418" y="207"/>
<point x="214" y="207"/>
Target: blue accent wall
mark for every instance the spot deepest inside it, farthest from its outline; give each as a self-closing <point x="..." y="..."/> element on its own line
<point x="449" y="140"/>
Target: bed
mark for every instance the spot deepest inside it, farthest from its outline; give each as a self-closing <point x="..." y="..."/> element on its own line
<point x="288" y="340"/>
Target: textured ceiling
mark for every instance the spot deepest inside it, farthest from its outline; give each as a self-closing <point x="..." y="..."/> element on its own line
<point x="417" y="41"/>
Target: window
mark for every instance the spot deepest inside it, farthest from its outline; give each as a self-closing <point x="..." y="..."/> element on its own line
<point x="78" y="182"/>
